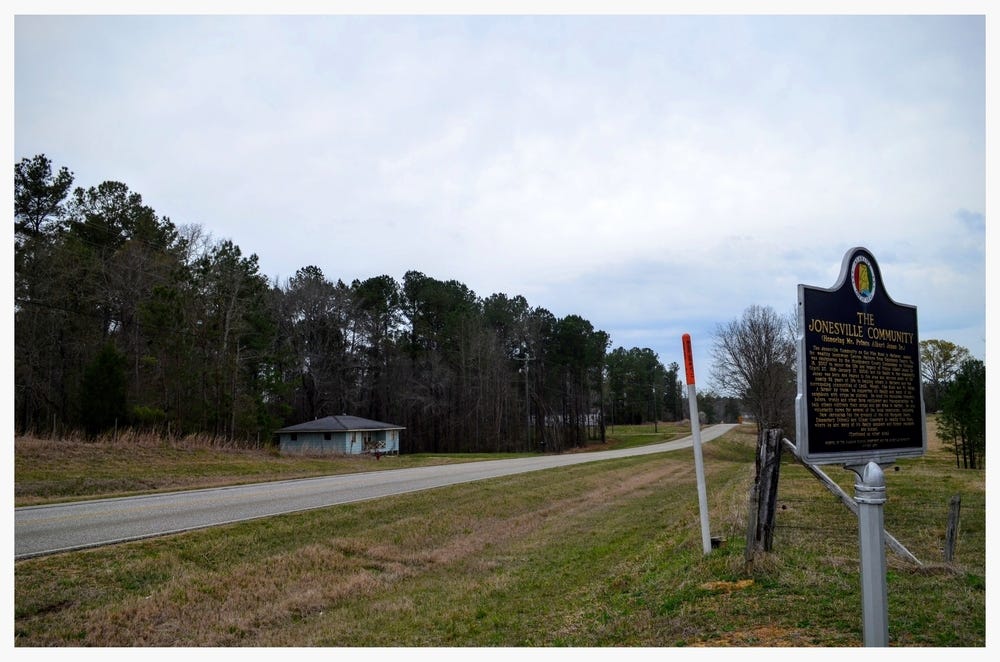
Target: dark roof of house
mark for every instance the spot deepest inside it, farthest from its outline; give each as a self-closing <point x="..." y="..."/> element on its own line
<point x="340" y="424"/>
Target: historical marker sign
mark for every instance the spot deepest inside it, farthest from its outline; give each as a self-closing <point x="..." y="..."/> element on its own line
<point x="859" y="396"/>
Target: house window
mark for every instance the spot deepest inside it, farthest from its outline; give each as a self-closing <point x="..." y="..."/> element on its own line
<point x="327" y="436"/>
<point x="294" y="437"/>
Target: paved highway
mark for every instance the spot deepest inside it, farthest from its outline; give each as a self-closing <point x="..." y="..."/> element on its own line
<point x="40" y="530"/>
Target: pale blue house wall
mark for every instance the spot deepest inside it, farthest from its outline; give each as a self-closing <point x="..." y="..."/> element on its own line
<point x="391" y="439"/>
<point x="313" y="442"/>
<point x="339" y="443"/>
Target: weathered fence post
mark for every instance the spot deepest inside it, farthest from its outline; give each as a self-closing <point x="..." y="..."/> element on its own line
<point x="951" y="534"/>
<point x="764" y="494"/>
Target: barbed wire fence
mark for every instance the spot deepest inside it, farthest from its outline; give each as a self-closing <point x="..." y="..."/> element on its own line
<point x="935" y="526"/>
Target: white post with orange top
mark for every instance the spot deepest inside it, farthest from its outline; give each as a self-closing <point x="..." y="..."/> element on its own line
<point x="699" y="465"/>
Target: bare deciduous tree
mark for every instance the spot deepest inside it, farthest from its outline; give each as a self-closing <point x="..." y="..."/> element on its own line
<point x="754" y="360"/>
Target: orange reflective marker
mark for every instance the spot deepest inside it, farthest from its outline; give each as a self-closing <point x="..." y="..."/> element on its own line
<point x="688" y="358"/>
<point x="699" y="464"/>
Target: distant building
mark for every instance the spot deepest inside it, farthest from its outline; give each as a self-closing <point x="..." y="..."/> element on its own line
<point x="340" y="435"/>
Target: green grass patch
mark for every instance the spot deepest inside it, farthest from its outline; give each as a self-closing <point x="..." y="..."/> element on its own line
<point x="630" y="436"/>
<point x="603" y="554"/>
<point x="47" y="471"/>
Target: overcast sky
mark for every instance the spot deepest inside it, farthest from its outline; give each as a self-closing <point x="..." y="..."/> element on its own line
<point x="654" y="174"/>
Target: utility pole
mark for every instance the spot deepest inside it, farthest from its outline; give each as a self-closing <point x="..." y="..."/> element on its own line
<point x="656" y="408"/>
<point x="527" y="402"/>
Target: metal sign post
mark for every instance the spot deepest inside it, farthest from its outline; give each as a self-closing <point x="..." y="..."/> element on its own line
<point x="699" y="465"/>
<point x="869" y="492"/>
<point x="860" y="402"/>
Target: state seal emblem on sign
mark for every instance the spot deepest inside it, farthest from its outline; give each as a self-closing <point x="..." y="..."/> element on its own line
<point x="863" y="278"/>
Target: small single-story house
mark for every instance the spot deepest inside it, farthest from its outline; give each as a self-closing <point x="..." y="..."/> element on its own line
<point x="345" y="435"/>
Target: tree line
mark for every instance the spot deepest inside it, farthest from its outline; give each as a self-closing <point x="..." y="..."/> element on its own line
<point x="955" y="387"/>
<point x="123" y="318"/>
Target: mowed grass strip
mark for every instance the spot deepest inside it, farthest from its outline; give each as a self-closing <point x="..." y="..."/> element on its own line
<point x="600" y="554"/>
<point x="48" y="471"/>
<point x="55" y="470"/>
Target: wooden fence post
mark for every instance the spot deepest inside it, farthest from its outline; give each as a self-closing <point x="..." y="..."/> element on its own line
<point x="751" y="547"/>
<point x="951" y="534"/>
<point x="764" y="494"/>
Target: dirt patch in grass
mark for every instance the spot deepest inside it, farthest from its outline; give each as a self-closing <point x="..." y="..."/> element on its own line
<point x="483" y="532"/>
<point x="727" y="587"/>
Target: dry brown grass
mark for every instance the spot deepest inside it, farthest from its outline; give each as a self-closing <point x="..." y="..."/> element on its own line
<point x="605" y="554"/>
<point x="48" y="470"/>
<point x="287" y="597"/>
<point x="768" y="636"/>
<point x="135" y="437"/>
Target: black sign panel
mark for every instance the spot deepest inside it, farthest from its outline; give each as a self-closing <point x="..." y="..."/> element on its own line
<point x="859" y="396"/>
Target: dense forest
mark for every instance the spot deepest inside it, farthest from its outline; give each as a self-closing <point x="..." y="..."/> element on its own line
<point x="123" y="318"/>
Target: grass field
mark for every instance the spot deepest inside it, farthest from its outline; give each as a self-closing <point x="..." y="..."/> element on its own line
<point x="595" y="555"/>
<point x="52" y="470"/>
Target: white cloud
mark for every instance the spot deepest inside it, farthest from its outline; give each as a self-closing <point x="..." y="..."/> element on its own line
<point x="640" y="171"/>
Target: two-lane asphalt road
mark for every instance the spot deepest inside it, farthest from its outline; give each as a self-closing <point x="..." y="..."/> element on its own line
<point x="48" y="529"/>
